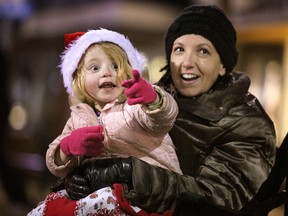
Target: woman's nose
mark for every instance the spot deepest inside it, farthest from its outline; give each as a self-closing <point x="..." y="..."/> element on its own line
<point x="189" y="60"/>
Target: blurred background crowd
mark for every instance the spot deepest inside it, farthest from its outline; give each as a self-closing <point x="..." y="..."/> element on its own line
<point x="33" y="102"/>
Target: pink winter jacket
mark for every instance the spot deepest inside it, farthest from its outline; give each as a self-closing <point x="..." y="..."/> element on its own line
<point x="128" y="130"/>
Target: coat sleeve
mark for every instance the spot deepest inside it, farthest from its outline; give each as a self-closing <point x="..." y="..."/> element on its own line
<point x="232" y="173"/>
<point x="52" y="151"/>
<point x="161" y="117"/>
<point x="156" y="189"/>
<point x="82" y="115"/>
<point x="229" y="176"/>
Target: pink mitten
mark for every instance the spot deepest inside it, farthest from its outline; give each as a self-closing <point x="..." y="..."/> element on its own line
<point x="138" y="90"/>
<point x="83" y="141"/>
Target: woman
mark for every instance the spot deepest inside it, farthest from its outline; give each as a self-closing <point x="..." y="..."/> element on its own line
<point x="224" y="140"/>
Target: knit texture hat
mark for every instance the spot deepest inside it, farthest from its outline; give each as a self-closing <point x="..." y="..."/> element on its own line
<point x="77" y="43"/>
<point x="210" y="22"/>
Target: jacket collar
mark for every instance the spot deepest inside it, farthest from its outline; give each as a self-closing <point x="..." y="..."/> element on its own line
<point x="216" y="103"/>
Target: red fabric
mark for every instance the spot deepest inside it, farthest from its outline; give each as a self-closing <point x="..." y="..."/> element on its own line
<point x="60" y="206"/>
<point x="69" y="38"/>
<point x="126" y="206"/>
<point x="139" y="90"/>
<point x="123" y="202"/>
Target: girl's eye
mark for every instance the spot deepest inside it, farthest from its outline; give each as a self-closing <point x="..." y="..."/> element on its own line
<point x="95" y="68"/>
<point x="115" y="67"/>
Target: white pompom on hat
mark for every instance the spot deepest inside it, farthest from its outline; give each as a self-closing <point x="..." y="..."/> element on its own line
<point x="77" y="44"/>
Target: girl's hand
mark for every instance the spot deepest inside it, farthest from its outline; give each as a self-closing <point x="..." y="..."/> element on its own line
<point x="139" y="90"/>
<point x="83" y="141"/>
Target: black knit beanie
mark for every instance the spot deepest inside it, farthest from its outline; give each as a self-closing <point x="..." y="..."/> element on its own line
<point x="210" y="22"/>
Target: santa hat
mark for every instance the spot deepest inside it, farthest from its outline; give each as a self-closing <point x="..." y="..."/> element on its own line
<point x="77" y="43"/>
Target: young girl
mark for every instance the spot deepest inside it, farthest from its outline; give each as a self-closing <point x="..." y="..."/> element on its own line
<point x="118" y="114"/>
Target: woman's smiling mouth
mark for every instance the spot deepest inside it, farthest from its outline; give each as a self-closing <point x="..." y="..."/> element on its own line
<point x="188" y="77"/>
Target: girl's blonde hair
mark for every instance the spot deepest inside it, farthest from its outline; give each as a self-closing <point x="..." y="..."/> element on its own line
<point x="117" y="55"/>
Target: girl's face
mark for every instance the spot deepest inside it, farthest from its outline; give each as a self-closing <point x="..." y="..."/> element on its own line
<point x="101" y="77"/>
<point x="195" y="65"/>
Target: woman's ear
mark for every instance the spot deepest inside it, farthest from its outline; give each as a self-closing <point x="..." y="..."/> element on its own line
<point x="222" y="71"/>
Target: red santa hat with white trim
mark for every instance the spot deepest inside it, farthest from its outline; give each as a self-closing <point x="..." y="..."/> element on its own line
<point x="77" y="43"/>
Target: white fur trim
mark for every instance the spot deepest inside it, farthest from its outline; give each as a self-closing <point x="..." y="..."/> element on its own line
<point x="72" y="55"/>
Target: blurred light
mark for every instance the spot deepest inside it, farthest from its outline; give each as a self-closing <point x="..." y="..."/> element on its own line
<point x="27" y="161"/>
<point x="154" y="68"/>
<point x="272" y="86"/>
<point x="18" y="117"/>
<point x="15" y="9"/>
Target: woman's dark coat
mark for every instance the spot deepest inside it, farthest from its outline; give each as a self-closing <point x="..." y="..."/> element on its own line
<point x="226" y="147"/>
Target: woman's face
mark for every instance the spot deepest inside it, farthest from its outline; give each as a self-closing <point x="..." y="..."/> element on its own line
<point x="195" y="65"/>
<point x="101" y="77"/>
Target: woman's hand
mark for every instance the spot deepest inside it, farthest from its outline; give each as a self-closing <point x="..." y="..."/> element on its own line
<point x="76" y="184"/>
<point x="105" y="172"/>
<point x="95" y="173"/>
